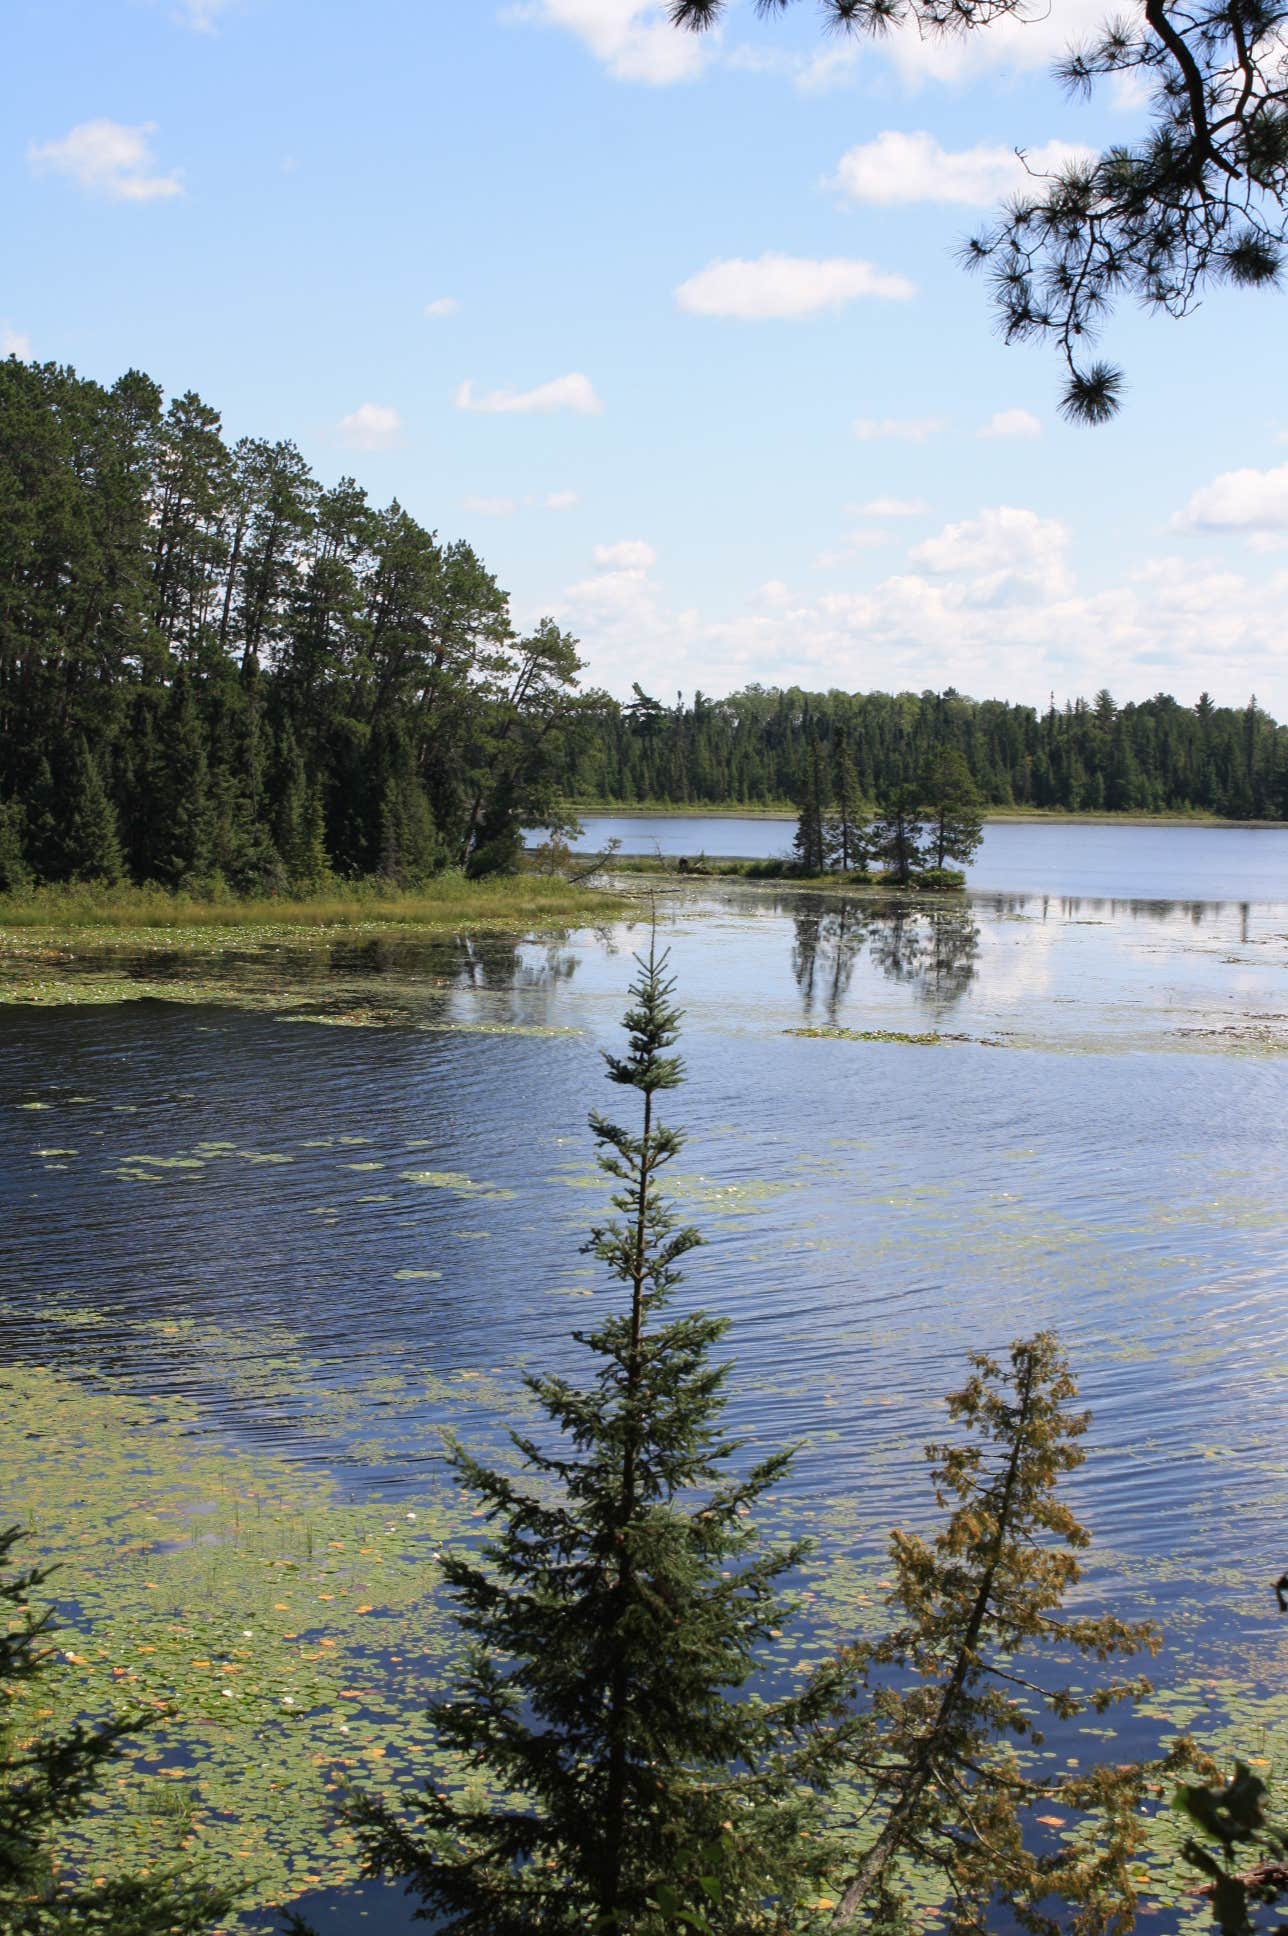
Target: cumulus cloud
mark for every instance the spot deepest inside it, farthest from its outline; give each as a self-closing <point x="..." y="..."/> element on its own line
<point x="561" y="500"/>
<point x="998" y="553"/>
<point x="442" y="306"/>
<point x="372" y="426"/>
<point x="109" y="159"/>
<point x="1029" y="39"/>
<point x="1167" y="625"/>
<point x="1247" y="500"/>
<point x="903" y="430"/>
<point x="14" y="343"/>
<point x="1011" y="423"/>
<point x="490" y="507"/>
<point x="574" y="392"/>
<point x="631" y="554"/>
<point x="895" y="169"/>
<point x="632" y="38"/>
<point x="777" y="287"/>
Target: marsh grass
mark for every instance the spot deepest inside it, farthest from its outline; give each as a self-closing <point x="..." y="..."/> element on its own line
<point x="448" y="904"/>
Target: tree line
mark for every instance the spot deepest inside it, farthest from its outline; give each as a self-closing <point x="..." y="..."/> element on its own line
<point x="213" y="667"/>
<point x="754" y="748"/>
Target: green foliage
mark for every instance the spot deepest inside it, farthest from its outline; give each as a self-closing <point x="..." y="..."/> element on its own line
<point x="48" y="1779"/>
<point x="619" y="1780"/>
<point x="753" y="749"/>
<point x="952" y="806"/>
<point x="1228" y="1825"/>
<point x="898" y="837"/>
<point x="950" y="1704"/>
<point x="212" y="669"/>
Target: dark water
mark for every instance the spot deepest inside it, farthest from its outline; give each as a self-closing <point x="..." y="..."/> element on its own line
<point x="1096" y="1145"/>
<point x="1108" y="862"/>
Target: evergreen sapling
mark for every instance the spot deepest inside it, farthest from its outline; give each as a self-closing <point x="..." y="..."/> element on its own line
<point x="622" y="1779"/>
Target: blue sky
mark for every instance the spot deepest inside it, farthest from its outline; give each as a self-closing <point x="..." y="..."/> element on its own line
<point x="671" y="330"/>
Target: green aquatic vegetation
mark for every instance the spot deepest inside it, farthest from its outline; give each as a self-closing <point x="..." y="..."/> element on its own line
<point x="405" y="1276"/>
<point x="247" y="1596"/>
<point x="932" y="1039"/>
<point x="459" y="1184"/>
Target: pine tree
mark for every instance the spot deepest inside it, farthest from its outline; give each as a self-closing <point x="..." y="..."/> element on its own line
<point x="898" y="835"/>
<point x="615" y="1615"/>
<point x="48" y="1779"/>
<point x="951" y="1692"/>
<point x="14" y="871"/>
<point x="811" y="844"/>
<point x="845" y="823"/>
<point x="91" y="847"/>
<point x="952" y="808"/>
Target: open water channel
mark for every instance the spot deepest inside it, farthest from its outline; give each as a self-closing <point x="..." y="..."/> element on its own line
<point x="915" y="1130"/>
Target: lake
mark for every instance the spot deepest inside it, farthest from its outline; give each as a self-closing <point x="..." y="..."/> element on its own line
<point x="308" y="1246"/>
<point x="1152" y="862"/>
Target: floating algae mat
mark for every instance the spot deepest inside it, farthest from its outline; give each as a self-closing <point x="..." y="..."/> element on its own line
<point x="286" y="1637"/>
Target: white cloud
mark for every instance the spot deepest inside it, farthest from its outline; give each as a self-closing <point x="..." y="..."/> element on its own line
<point x="573" y="392"/>
<point x="903" y="430"/>
<point x="1239" y="501"/>
<point x="14" y="343"/>
<point x="561" y="500"/>
<point x="372" y="426"/>
<point x="895" y="169"/>
<point x="893" y="507"/>
<point x="785" y="287"/>
<point x="632" y="554"/>
<point x="442" y="306"/>
<point x="633" y="38"/>
<point x="998" y="553"/>
<point x="1012" y="423"/>
<point x="107" y="158"/>
<point x="1171" y="625"/>
<point x="1030" y="38"/>
<point x="490" y="507"/>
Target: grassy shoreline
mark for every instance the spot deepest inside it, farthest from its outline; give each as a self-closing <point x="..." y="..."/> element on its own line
<point x="999" y="816"/>
<point x="450" y="905"/>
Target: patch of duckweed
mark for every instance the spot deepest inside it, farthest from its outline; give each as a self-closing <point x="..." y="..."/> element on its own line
<point x="242" y="1599"/>
<point x="459" y="1184"/>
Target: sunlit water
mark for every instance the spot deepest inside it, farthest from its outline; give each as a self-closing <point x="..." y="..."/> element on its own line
<point x="1175" y="863"/>
<point x="1095" y="1142"/>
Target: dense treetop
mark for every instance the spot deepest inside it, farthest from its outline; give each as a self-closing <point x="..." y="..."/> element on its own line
<point x="755" y="747"/>
<point x="213" y="665"/>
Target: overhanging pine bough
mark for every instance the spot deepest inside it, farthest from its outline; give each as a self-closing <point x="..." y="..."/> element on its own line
<point x="1203" y="199"/>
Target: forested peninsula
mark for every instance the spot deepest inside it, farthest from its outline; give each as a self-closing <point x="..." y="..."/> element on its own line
<point x="217" y="671"/>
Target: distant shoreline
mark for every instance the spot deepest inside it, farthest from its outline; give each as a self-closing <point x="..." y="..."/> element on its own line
<point x="1000" y="816"/>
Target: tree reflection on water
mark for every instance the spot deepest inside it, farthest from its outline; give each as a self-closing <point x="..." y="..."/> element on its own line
<point x="934" y="950"/>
